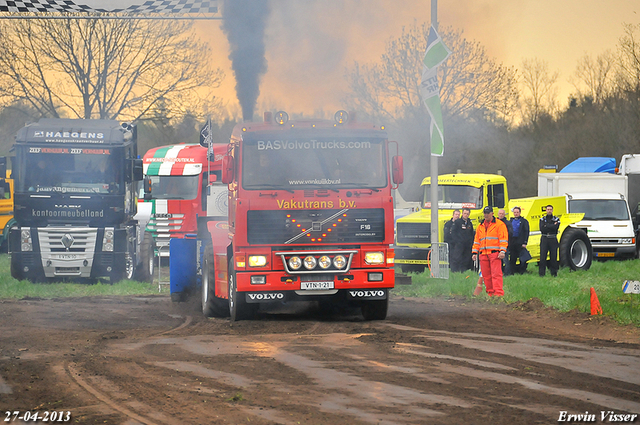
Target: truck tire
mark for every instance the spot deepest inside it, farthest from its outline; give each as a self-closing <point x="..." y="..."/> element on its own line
<point x="238" y="307"/>
<point x="129" y="267"/>
<point x="412" y="268"/>
<point x="375" y="310"/>
<point x="16" y="270"/>
<point x="147" y="253"/>
<point x="212" y="306"/>
<point x="575" y="250"/>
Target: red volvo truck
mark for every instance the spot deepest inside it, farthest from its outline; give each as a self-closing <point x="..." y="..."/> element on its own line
<point x="310" y="217"/>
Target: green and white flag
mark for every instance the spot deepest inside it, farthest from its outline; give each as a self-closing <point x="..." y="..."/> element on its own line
<point x="436" y="53"/>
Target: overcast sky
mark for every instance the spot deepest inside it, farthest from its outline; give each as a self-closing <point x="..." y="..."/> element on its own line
<point x="310" y="43"/>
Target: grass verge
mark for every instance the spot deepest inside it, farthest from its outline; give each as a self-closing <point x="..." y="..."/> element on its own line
<point x="12" y="288"/>
<point x="568" y="291"/>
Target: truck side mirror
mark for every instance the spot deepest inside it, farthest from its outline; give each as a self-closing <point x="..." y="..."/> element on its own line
<point x="137" y="170"/>
<point x="212" y="178"/>
<point x="147" y="189"/>
<point x="397" y="168"/>
<point x="228" y="169"/>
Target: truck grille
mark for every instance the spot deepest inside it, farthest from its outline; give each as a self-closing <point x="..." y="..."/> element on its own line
<point x="315" y="226"/>
<point x="163" y="225"/>
<point x="84" y="239"/>
<point x="413" y="233"/>
<point x="67" y="251"/>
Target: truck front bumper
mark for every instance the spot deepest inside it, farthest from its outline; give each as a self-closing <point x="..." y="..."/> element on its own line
<point x="279" y="286"/>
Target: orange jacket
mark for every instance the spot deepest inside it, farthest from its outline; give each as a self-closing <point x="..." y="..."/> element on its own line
<point x="495" y="237"/>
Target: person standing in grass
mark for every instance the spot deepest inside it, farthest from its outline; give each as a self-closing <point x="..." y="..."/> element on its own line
<point x="462" y="234"/>
<point x="490" y="245"/>
<point x="506" y="266"/>
<point x="549" y="225"/>
<point x="448" y="237"/>
<point x="518" y="241"/>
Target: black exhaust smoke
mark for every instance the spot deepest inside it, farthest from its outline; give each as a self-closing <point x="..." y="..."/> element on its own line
<point x="244" y="23"/>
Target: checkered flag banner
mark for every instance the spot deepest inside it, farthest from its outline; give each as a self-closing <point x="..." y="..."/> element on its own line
<point x="111" y="6"/>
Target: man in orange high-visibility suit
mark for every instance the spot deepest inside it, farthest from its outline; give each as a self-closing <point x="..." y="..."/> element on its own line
<point x="491" y="241"/>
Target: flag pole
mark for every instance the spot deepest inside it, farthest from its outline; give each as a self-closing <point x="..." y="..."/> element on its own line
<point x="435" y="263"/>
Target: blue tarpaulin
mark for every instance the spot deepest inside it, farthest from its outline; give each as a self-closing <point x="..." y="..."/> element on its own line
<point x="591" y="165"/>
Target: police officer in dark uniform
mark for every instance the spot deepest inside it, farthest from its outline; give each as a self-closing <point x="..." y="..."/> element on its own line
<point x="462" y="234"/>
<point x="549" y="225"/>
<point x="447" y="234"/>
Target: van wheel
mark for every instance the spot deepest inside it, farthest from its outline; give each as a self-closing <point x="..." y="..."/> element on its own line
<point x="575" y="250"/>
<point x="212" y="306"/>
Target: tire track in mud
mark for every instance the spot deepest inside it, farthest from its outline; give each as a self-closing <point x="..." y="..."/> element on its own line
<point x="76" y="377"/>
<point x="436" y="375"/>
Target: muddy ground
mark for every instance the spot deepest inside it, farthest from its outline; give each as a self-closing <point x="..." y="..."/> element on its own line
<point x="146" y="360"/>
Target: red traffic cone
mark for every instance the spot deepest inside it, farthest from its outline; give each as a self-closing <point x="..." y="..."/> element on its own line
<point x="478" y="289"/>
<point x="595" y="304"/>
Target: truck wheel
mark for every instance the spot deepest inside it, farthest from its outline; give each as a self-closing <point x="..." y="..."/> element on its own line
<point x="212" y="306"/>
<point x="147" y="252"/>
<point x="16" y="270"/>
<point x="238" y="307"/>
<point x="412" y="268"/>
<point x="375" y="310"/>
<point x="575" y="250"/>
<point x="129" y="267"/>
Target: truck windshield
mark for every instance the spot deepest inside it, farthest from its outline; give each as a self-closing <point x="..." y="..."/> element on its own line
<point x="299" y="163"/>
<point x="71" y="170"/>
<point x="600" y="209"/>
<point x="455" y="197"/>
<point x="174" y="187"/>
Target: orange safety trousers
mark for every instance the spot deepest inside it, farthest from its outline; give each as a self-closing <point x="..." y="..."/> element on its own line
<point x="491" y="267"/>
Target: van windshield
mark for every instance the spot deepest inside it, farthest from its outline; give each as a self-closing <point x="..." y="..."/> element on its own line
<point x="600" y="209"/>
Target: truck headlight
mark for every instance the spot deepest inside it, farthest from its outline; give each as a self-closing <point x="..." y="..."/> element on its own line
<point x="107" y="240"/>
<point x="257" y="261"/>
<point x="26" y="243"/>
<point x="372" y="258"/>
<point x="295" y="263"/>
<point x="626" y="240"/>
<point x="310" y="262"/>
<point x="324" y="262"/>
<point x="339" y="262"/>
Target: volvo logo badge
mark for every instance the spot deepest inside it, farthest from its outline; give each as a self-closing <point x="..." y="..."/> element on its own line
<point x="67" y="240"/>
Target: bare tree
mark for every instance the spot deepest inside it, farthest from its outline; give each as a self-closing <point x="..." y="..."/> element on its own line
<point x="104" y="68"/>
<point x="472" y="87"/>
<point x="540" y="85"/>
<point x="469" y="79"/>
<point x="629" y="68"/>
<point x="594" y="77"/>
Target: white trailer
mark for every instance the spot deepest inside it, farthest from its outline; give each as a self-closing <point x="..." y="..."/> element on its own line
<point x="603" y="198"/>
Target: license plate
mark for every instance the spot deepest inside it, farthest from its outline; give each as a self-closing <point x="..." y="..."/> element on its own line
<point x="314" y="286"/>
<point x="65" y="256"/>
<point x="67" y="269"/>
<point x="605" y="254"/>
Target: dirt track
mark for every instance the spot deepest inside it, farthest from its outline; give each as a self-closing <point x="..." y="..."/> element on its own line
<point x="149" y="361"/>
